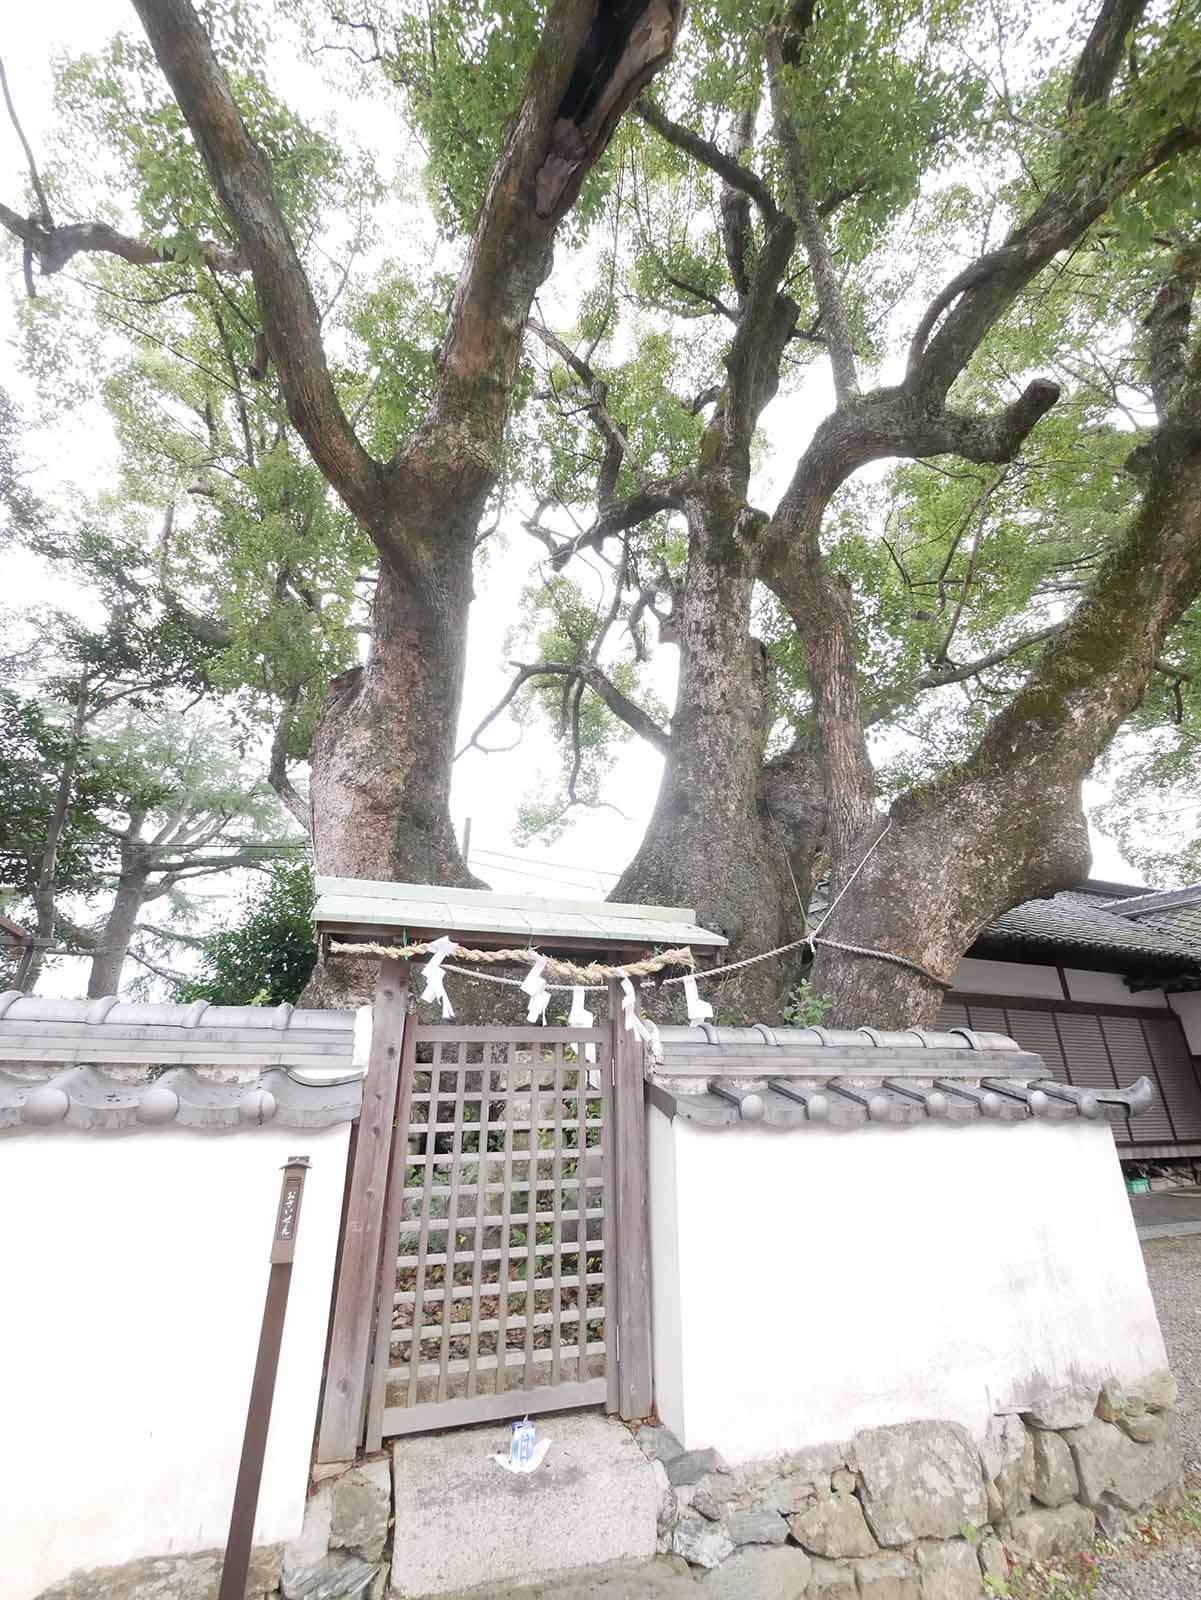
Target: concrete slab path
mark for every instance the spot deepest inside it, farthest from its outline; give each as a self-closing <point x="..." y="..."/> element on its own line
<point x="1167" y="1214"/>
<point x="462" y="1520"/>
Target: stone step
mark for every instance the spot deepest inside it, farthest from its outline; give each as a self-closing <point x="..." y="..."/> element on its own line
<point x="462" y="1522"/>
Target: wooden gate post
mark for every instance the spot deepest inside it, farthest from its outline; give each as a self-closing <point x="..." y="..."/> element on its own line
<point x="343" y="1401"/>
<point x="631" y="1274"/>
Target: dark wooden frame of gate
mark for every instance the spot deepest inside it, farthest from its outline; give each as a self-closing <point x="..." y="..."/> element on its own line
<point x="355" y="1332"/>
<point x="500" y="1402"/>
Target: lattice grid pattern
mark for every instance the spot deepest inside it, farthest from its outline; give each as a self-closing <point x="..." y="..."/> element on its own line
<point x="499" y="1225"/>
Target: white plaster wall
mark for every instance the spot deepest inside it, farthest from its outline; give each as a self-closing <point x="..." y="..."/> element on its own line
<point x="1188" y="1008"/>
<point x="829" y="1281"/>
<point x="662" y="1197"/>
<point x="1108" y="989"/>
<point x="973" y="976"/>
<point x="134" y="1270"/>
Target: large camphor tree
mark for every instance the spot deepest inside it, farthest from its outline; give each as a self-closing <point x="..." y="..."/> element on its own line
<point x="991" y="263"/>
<point x="962" y="237"/>
<point x="383" y="745"/>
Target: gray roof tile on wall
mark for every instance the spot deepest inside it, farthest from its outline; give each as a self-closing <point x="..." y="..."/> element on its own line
<point x="95" y="1101"/>
<point x="75" y="1064"/>
<point x="848" y="1078"/>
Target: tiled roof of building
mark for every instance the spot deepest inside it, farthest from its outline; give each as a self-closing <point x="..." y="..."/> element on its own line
<point x="1176" y="912"/>
<point x="1092" y="918"/>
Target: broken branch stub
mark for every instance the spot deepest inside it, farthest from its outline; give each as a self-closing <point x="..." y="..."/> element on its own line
<point x="627" y="44"/>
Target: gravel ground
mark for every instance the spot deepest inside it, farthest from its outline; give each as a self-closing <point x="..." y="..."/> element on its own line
<point x="1174" y="1268"/>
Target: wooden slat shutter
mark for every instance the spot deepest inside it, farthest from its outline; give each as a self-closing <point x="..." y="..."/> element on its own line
<point x="1084" y="1050"/>
<point x="1132" y="1059"/>
<point x="1089" y="1063"/>
<point x="1177" y="1075"/>
<point x="988" y="1019"/>
<point x="952" y="1015"/>
<point x="1035" y="1030"/>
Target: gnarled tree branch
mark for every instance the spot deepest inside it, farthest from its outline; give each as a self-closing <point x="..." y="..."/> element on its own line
<point x="817" y="247"/>
<point x="53" y="247"/>
<point x="585" y="676"/>
<point x="242" y="179"/>
<point x="728" y="169"/>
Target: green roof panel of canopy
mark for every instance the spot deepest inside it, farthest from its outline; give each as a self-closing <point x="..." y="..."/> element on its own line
<point x="360" y="908"/>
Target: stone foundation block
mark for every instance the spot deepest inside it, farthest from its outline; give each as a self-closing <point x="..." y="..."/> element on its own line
<point x="1055" y="1479"/>
<point x="1071" y="1406"/>
<point x="994" y="1563"/>
<point x="660" y="1444"/>
<point x="762" y="1574"/>
<point x="887" y="1578"/>
<point x="461" y="1521"/>
<point x="361" y="1506"/>
<point x="703" y="1544"/>
<point x="692" y="1465"/>
<point x="340" y="1575"/>
<point x="920" y="1480"/>
<point x="1111" y="1465"/>
<point x="1061" y="1532"/>
<point x="302" y="1555"/>
<point x="759" y="1525"/>
<point x="1008" y="1456"/>
<point x="833" y="1525"/>
<point x="1150" y="1428"/>
<point x="949" y="1571"/>
<point x="829" y="1582"/>
<point x="1122" y="1403"/>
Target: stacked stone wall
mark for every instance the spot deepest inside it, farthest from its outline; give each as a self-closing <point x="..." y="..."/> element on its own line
<point x="920" y="1510"/>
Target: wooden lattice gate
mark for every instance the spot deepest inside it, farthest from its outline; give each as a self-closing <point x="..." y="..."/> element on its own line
<point x="495" y="1258"/>
<point x="495" y="1236"/>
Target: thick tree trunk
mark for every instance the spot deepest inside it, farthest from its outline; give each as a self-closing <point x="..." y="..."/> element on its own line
<point x="384" y="744"/>
<point x="109" y="960"/>
<point x="383" y="753"/>
<point x="711" y="843"/>
<point x="951" y="861"/>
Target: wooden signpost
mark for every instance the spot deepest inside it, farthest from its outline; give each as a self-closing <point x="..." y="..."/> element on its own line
<point x="262" y="1389"/>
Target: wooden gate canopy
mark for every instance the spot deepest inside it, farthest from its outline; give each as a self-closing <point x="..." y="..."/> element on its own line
<point x="360" y="908"/>
<point x="849" y="1077"/>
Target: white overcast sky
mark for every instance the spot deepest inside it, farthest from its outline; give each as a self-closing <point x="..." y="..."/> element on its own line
<point x="586" y="859"/>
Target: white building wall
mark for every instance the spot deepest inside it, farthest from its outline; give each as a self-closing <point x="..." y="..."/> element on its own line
<point x="819" y="1281"/>
<point x="1188" y="1008"/>
<point x="974" y="976"/>
<point x="134" y="1271"/>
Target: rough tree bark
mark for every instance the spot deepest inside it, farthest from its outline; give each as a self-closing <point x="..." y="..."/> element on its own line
<point x="730" y="836"/>
<point x="112" y="948"/>
<point x="1008" y="824"/>
<point x="711" y="843"/>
